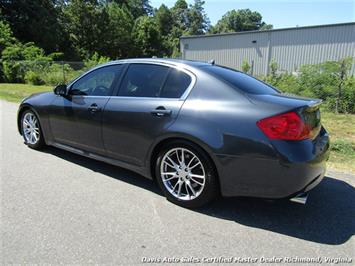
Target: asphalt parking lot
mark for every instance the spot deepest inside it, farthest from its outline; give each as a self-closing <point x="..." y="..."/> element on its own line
<point x="57" y="207"/>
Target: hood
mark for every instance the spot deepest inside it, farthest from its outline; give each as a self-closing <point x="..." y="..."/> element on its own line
<point x="34" y="95"/>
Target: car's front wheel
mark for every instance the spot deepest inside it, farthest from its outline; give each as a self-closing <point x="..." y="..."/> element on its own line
<point x="186" y="174"/>
<point x="31" y="130"/>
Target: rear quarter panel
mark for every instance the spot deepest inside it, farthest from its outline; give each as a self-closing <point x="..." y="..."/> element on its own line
<point x="223" y="121"/>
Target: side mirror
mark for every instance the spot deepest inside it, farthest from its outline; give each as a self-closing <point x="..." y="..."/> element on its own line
<point x="60" y="90"/>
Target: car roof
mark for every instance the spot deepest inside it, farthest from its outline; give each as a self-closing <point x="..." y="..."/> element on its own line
<point x="187" y="64"/>
<point x="171" y="61"/>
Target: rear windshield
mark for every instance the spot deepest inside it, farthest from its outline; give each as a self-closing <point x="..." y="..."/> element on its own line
<point x="240" y="80"/>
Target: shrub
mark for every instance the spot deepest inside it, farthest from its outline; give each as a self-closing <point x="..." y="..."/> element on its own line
<point x="95" y="60"/>
<point x="19" y="58"/>
<point x="72" y="74"/>
<point x="347" y="103"/>
<point x="246" y="67"/>
<point x="54" y="75"/>
<point x="33" y="78"/>
<point x="329" y="81"/>
<point x="349" y="95"/>
<point x="273" y="68"/>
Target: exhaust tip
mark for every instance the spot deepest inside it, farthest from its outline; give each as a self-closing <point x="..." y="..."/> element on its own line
<point x="300" y="198"/>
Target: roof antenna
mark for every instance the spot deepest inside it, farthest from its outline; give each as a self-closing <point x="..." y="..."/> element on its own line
<point x="211" y="62"/>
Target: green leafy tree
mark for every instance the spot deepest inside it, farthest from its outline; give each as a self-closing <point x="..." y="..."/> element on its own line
<point x="180" y="26"/>
<point x="137" y="7"/>
<point x="86" y="24"/>
<point x="6" y="39"/>
<point x="180" y="20"/>
<point x="6" y="35"/>
<point x="240" y="20"/>
<point x="35" y="21"/>
<point x="146" y="37"/>
<point x="117" y="39"/>
<point x="165" y="22"/>
<point x="180" y="15"/>
<point x="164" y="18"/>
<point x="174" y="41"/>
<point x="198" y="22"/>
<point x="266" y="27"/>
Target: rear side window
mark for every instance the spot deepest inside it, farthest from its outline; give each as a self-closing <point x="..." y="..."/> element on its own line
<point x="176" y="84"/>
<point x="240" y="80"/>
<point x="143" y="80"/>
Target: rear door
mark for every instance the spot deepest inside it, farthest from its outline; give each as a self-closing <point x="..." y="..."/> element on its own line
<point x="148" y="102"/>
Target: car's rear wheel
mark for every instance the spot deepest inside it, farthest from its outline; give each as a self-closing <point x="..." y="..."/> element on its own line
<point x="31" y="130"/>
<point x="186" y="174"/>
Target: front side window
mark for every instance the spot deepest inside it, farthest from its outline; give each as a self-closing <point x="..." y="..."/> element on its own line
<point x="143" y="80"/>
<point x="97" y="83"/>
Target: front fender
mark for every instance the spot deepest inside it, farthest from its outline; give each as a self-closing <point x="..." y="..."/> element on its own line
<point x="23" y="107"/>
<point x="38" y="103"/>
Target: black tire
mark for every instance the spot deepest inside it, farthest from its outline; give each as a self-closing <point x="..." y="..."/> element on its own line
<point x="40" y="143"/>
<point x="211" y="186"/>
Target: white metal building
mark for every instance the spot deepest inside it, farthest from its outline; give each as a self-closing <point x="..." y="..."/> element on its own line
<point x="290" y="47"/>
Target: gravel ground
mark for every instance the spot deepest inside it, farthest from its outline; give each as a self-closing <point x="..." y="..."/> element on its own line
<point x="57" y="207"/>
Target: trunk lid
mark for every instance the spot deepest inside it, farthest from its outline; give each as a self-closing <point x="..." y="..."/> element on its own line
<point x="306" y="108"/>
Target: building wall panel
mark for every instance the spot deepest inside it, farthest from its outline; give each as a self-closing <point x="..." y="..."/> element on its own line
<point x="290" y="48"/>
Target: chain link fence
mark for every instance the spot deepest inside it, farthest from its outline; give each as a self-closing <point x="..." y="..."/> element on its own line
<point x="43" y="72"/>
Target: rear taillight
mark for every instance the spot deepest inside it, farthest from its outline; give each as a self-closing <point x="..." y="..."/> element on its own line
<point x="288" y="126"/>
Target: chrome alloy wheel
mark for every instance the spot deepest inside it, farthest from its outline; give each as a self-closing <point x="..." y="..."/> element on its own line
<point x="30" y="128"/>
<point x="182" y="174"/>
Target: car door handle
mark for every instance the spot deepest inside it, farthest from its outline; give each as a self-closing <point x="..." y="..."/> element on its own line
<point x="94" y="108"/>
<point x="161" y="112"/>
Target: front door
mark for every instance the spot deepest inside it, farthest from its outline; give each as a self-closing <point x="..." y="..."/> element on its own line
<point x="76" y="119"/>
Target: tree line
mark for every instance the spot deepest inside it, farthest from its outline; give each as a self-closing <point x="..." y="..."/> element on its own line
<point x="79" y="29"/>
<point x="36" y="34"/>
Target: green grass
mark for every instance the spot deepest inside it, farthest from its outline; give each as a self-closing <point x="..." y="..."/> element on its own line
<point x="341" y="127"/>
<point x="16" y="92"/>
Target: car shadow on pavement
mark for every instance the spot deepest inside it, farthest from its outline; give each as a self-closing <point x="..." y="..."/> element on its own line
<point x="327" y="218"/>
<point x="106" y="169"/>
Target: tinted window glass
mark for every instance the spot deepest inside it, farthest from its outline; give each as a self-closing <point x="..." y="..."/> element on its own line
<point x="143" y="80"/>
<point x="97" y="83"/>
<point x="240" y="80"/>
<point x="176" y="84"/>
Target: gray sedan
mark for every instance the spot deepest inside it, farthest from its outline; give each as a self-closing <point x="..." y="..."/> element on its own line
<point x="200" y="130"/>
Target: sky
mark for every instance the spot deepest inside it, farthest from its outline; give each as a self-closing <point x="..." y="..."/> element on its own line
<point x="282" y="13"/>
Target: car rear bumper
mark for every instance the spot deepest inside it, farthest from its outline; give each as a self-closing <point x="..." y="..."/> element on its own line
<point x="298" y="168"/>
